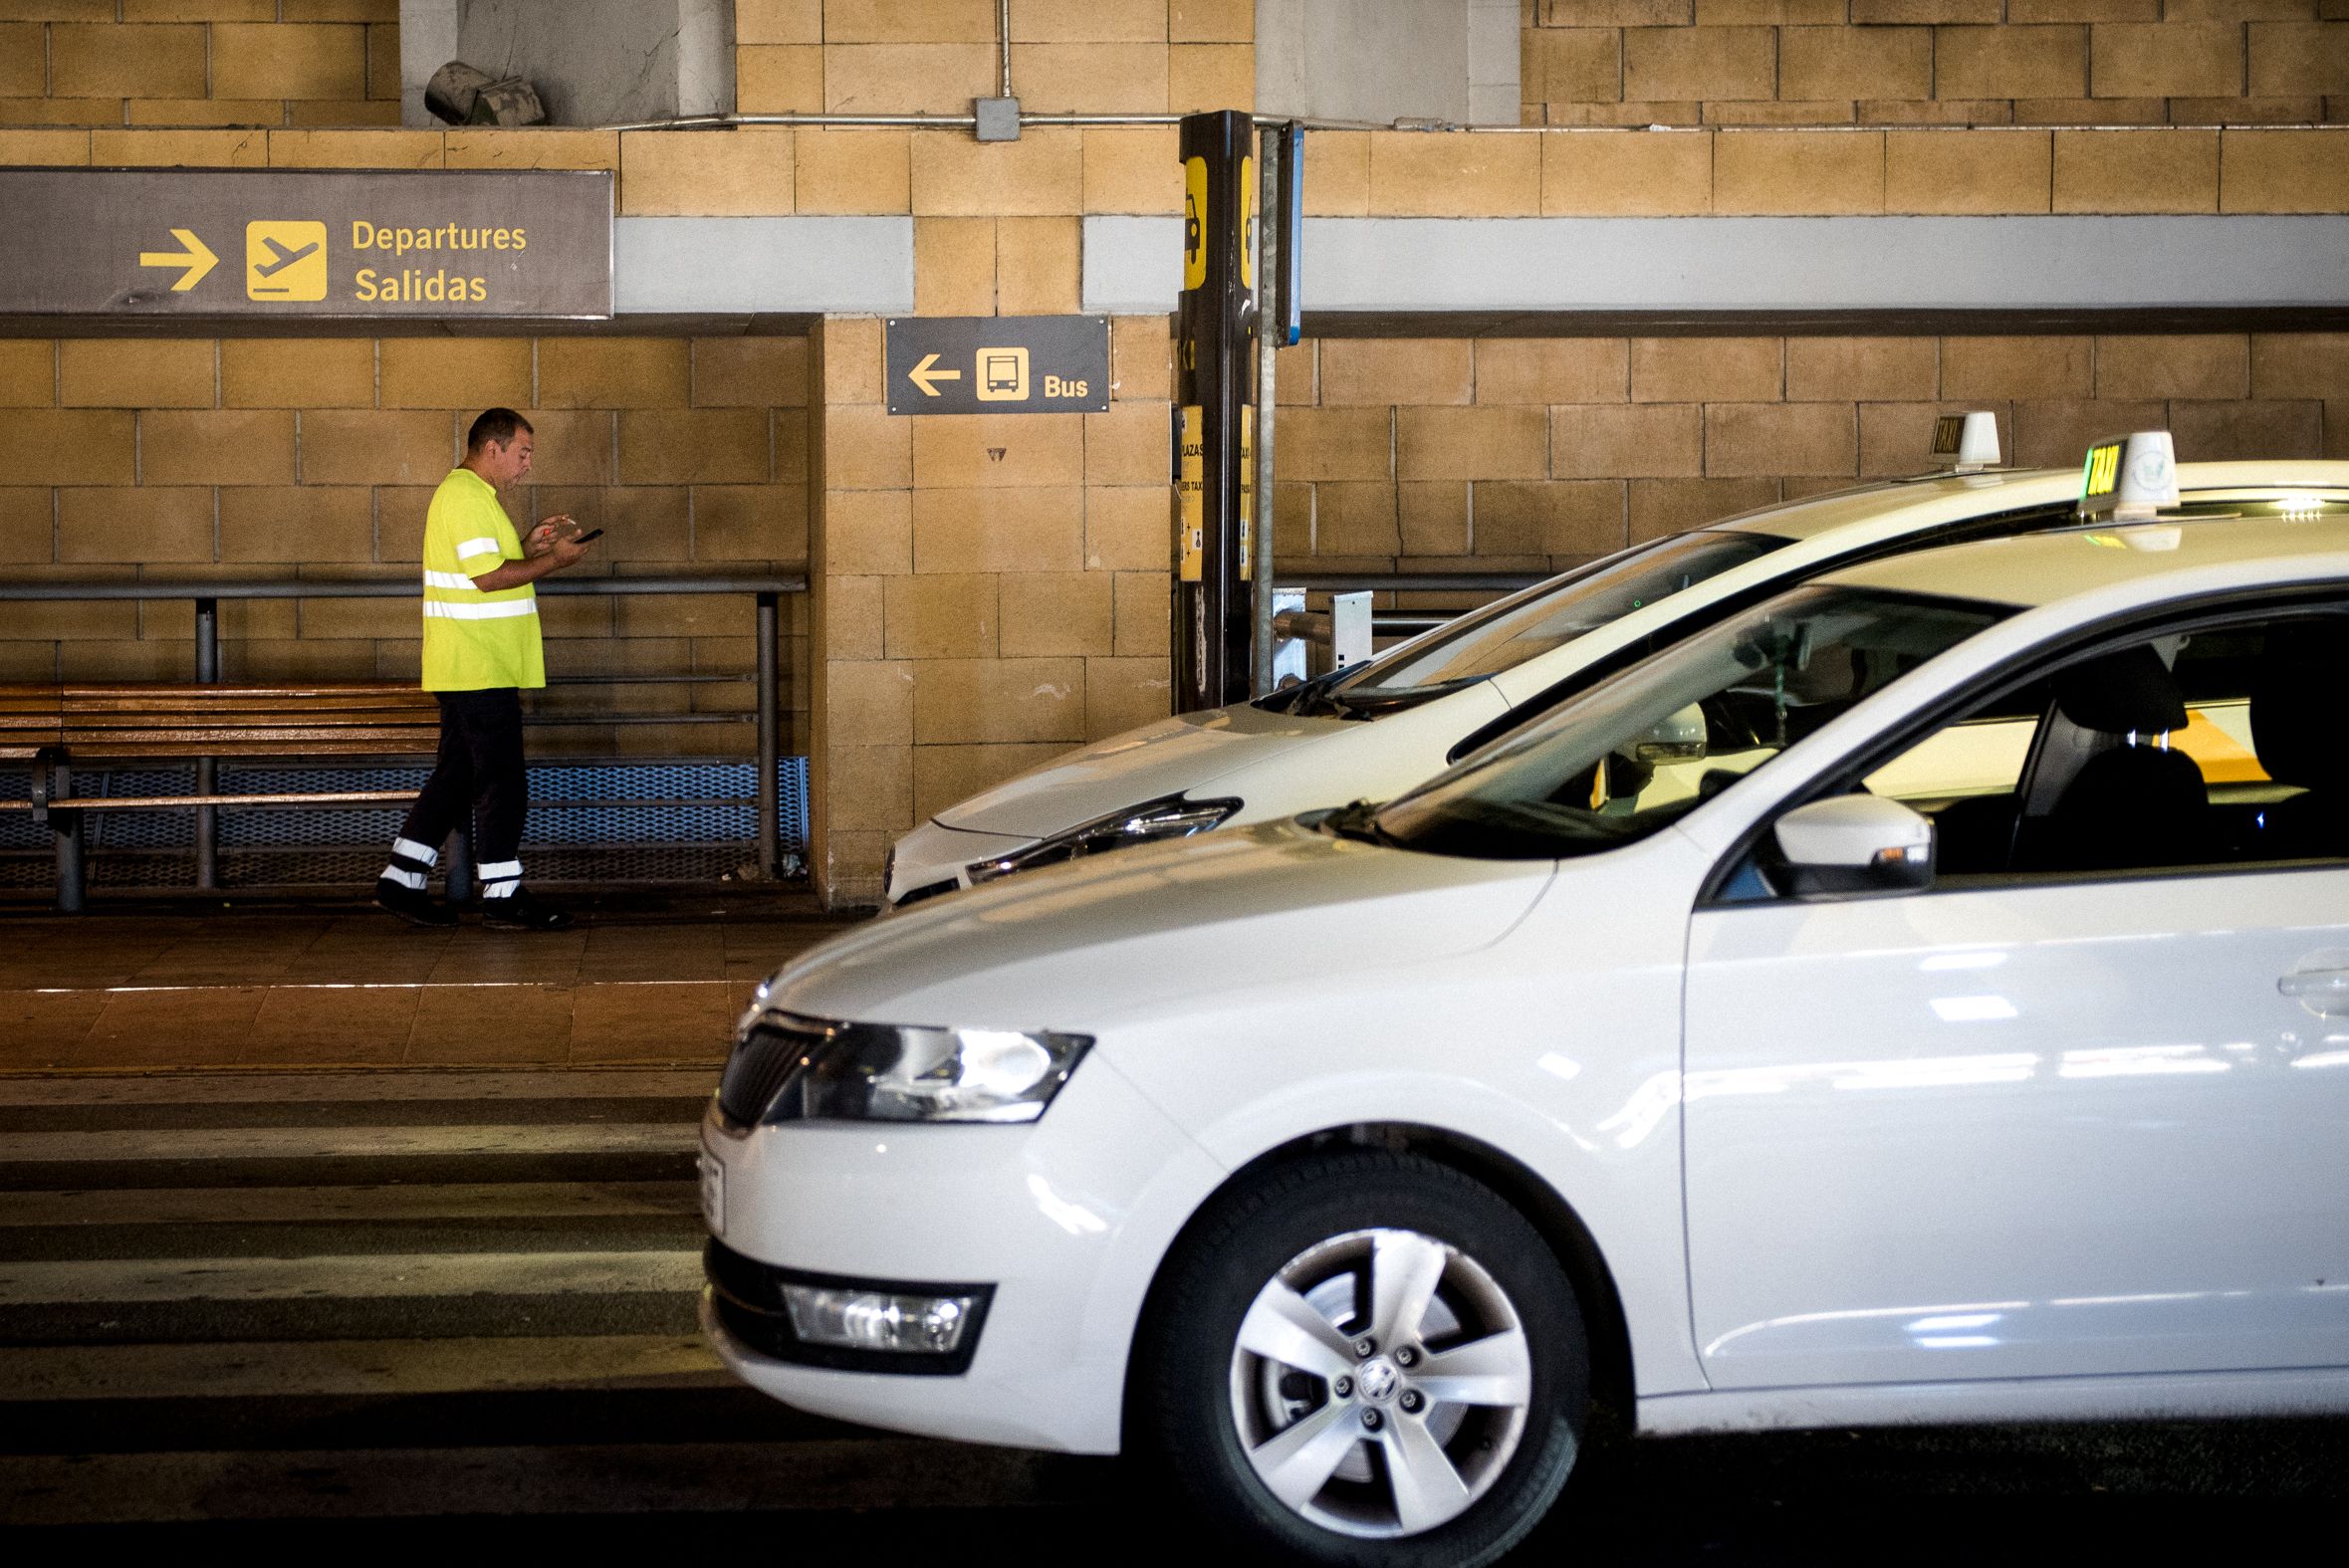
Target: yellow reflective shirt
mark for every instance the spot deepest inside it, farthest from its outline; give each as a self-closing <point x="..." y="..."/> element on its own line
<point x="474" y="641"/>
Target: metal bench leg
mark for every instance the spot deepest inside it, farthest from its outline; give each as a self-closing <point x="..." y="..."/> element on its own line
<point x="458" y="858"/>
<point x="66" y="829"/>
<point x="207" y="826"/>
<point x="207" y="769"/>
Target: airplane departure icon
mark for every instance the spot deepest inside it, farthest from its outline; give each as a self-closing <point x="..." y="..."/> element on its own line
<point x="285" y="260"/>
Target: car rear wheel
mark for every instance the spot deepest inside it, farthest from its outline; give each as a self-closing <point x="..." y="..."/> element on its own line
<point x="1365" y="1358"/>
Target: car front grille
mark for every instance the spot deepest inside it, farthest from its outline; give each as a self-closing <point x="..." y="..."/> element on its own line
<point x="755" y="1073"/>
<point x="928" y="891"/>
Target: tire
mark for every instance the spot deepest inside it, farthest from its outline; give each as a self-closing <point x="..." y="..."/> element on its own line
<point x="1243" y="1406"/>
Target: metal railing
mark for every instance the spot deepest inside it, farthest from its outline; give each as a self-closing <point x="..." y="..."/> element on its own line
<point x="1295" y="625"/>
<point x="767" y="590"/>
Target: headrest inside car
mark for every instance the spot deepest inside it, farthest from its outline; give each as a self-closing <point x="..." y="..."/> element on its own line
<point x="2117" y="693"/>
<point x="2294" y="692"/>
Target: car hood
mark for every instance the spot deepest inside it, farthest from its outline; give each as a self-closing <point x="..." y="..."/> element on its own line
<point x="1082" y="944"/>
<point x="1171" y="757"/>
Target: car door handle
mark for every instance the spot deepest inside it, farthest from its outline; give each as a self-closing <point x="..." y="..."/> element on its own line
<point x="2324" y="990"/>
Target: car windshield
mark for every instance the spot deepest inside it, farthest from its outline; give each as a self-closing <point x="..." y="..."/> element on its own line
<point x="1645" y="748"/>
<point x="1504" y="635"/>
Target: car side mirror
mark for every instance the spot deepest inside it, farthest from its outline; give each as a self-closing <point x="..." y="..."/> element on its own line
<point x="1676" y="738"/>
<point x="1855" y="844"/>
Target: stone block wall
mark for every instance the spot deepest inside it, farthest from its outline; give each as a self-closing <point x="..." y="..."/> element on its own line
<point x="1937" y="172"/>
<point x="253" y="457"/>
<point x="199" y="62"/>
<point x="1537" y="454"/>
<point x="875" y="57"/>
<point x="1934" y="62"/>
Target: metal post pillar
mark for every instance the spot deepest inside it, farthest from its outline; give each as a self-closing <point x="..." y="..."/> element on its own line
<point x="1278" y="236"/>
<point x="1215" y="416"/>
<point x="207" y="769"/>
<point x="770" y="742"/>
<point x="66" y="829"/>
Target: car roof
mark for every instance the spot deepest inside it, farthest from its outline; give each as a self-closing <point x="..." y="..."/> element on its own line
<point x="2028" y="570"/>
<point x="1997" y="489"/>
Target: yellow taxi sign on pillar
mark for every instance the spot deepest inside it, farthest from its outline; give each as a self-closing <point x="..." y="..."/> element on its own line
<point x="1248" y="223"/>
<point x="1194" y="222"/>
<point x="1246" y="490"/>
<point x="1191" y="491"/>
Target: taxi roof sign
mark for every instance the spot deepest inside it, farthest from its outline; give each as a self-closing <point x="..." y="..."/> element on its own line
<point x="1966" y="443"/>
<point x="2130" y="477"/>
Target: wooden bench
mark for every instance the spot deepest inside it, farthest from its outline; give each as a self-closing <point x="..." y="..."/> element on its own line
<point x="56" y="727"/>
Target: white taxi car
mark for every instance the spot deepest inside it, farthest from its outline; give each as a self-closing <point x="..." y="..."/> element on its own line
<point x="1923" y="996"/>
<point x="1441" y="695"/>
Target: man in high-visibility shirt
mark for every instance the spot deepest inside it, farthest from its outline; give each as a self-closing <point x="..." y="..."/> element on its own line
<point x="481" y="648"/>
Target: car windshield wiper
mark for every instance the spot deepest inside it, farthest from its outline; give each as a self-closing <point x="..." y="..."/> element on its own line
<point x="1340" y="700"/>
<point x="1355" y="821"/>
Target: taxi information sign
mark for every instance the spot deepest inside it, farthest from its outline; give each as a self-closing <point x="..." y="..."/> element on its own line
<point x="998" y="365"/>
<point x="261" y="242"/>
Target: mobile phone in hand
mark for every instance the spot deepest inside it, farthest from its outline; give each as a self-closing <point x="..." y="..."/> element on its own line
<point x="594" y="532"/>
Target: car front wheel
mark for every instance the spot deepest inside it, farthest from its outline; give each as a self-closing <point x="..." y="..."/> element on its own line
<point x="1365" y="1358"/>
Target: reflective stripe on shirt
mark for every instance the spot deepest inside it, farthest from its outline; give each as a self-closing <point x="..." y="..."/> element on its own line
<point x="495" y="610"/>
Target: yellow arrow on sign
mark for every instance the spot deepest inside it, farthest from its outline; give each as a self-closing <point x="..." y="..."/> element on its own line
<point x="197" y="259"/>
<point x="922" y="375"/>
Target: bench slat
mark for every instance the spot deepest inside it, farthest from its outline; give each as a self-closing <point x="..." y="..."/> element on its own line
<point x="134" y="706"/>
<point x="75" y="689"/>
<point x="229" y="749"/>
<point x="185" y="719"/>
<point x="193" y="741"/>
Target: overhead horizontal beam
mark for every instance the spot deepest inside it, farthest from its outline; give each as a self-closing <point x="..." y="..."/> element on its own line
<point x="793" y="266"/>
<point x="1821" y="324"/>
<point x="1768" y="269"/>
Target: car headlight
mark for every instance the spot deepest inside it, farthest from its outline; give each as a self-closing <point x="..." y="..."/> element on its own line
<point x="792" y="1069"/>
<point x="1148" y="824"/>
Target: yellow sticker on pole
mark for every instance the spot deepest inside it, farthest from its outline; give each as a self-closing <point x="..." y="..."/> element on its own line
<point x="1191" y="492"/>
<point x="1194" y="222"/>
<point x="1248" y="223"/>
<point x="1247" y="489"/>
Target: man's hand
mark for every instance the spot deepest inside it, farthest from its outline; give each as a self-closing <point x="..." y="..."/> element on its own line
<point x="554" y="554"/>
<point x="542" y="539"/>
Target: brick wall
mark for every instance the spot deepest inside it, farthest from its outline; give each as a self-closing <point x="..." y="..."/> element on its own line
<point x="199" y="62"/>
<point x="1937" y="171"/>
<point x="275" y="457"/>
<point x="1947" y="62"/>
<point x="1535" y="454"/>
<point x="994" y="586"/>
<point x="869" y="57"/>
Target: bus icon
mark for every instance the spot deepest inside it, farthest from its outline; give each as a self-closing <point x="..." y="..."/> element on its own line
<point x="1002" y="375"/>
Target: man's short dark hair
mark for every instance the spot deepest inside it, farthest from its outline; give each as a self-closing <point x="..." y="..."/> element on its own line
<point x="495" y="424"/>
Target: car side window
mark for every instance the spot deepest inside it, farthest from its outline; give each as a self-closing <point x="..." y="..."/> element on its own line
<point x="2214" y="746"/>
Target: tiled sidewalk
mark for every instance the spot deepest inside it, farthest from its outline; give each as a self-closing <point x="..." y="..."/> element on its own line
<point x="638" y="981"/>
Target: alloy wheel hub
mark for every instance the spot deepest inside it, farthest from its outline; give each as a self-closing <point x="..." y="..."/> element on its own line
<point x="1355" y="1444"/>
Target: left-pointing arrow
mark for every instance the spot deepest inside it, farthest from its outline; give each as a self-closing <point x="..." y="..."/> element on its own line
<point x="924" y="376"/>
<point x="197" y="259"/>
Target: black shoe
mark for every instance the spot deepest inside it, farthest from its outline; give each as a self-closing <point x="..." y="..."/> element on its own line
<point x="414" y="905"/>
<point x="519" y="911"/>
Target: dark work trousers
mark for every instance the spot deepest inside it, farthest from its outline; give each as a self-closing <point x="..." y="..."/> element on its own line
<point x="479" y="773"/>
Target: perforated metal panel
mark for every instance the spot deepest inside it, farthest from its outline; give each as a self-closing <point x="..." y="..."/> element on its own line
<point x="600" y="822"/>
